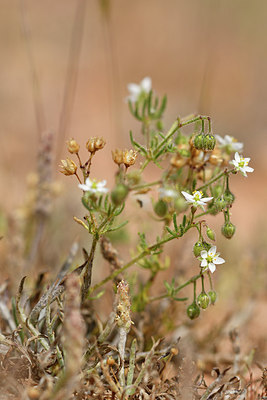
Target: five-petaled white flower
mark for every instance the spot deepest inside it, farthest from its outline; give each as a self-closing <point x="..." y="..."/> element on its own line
<point x="229" y="143"/>
<point x="94" y="186"/>
<point x="136" y="91"/>
<point x="196" y="198"/>
<point x="210" y="258"/>
<point x="241" y="164"/>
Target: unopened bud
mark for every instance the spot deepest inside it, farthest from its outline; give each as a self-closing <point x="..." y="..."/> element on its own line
<point x="213" y="296"/>
<point x="228" y="230"/>
<point x="73" y="146"/>
<point x="193" y="310"/>
<point x="203" y="300"/>
<point x="229" y="197"/>
<point x="94" y="144"/>
<point x="209" y="142"/>
<point x="119" y="194"/>
<point x="180" y="204"/>
<point x="68" y="167"/>
<point x="200" y="246"/>
<point x="217" y="191"/>
<point x="161" y="208"/>
<point x="217" y="206"/>
<point x="198" y="141"/>
<point x="210" y="234"/>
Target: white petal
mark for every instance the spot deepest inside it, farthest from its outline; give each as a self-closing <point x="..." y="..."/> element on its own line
<point x="249" y="169"/>
<point x="212" y="267"/>
<point x="237" y="157"/>
<point x="83" y="187"/>
<point x="220" y="139"/>
<point x="146" y="84"/>
<point x="218" y="260"/>
<point x="212" y="251"/>
<point x="207" y="199"/>
<point x="188" y="197"/>
<point x="204" y="263"/>
<point x="134" y="88"/>
<point x="204" y="254"/>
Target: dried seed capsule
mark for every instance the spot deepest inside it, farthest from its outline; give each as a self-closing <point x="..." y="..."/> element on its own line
<point x="68" y="167"/>
<point x="94" y="144"/>
<point x="73" y="146"/>
<point x="228" y="230"/>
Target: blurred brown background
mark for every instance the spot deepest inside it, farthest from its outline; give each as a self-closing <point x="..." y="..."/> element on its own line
<point x="208" y="56"/>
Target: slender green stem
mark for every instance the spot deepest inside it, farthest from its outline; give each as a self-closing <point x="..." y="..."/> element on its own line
<point x="130" y="263"/>
<point x="145" y="185"/>
<point x="215" y="178"/>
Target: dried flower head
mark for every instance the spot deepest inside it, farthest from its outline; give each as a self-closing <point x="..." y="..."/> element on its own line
<point x="117" y="156"/>
<point x="129" y="157"/>
<point x="94" y="144"/>
<point x="73" y="146"/>
<point x="68" y="167"/>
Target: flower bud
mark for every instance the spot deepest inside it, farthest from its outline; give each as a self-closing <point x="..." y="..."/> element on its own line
<point x="217" y="191"/>
<point x="199" y="246"/>
<point x="161" y="208"/>
<point x="134" y="177"/>
<point x="210" y="234"/>
<point x="228" y="230"/>
<point x="209" y="142"/>
<point x="198" y="141"/>
<point x="213" y="296"/>
<point x="119" y="194"/>
<point x="94" y="144"/>
<point x="229" y="197"/>
<point x="193" y="310"/>
<point x="217" y="206"/>
<point x="68" y="167"/>
<point x="203" y="300"/>
<point x="73" y="146"/>
<point x="180" y="204"/>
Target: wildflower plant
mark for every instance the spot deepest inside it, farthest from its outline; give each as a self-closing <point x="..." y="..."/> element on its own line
<point x="194" y="172"/>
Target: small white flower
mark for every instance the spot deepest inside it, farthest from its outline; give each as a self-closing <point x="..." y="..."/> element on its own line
<point x="196" y="198"/>
<point x="94" y="186"/>
<point x="241" y="164"/>
<point x="229" y="143"/>
<point x="210" y="258"/>
<point x="136" y="90"/>
<point x="167" y="193"/>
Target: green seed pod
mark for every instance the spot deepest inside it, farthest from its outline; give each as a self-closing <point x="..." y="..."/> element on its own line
<point x="210" y="234"/>
<point x="180" y="204"/>
<point x="217" y="206"/>
<point x="229" y="197"/>
<point x="198" y="141"/>
<point x="213" y="296"/>
<point x="203" y="300"/>
<point x="228" y="230"/>
<point x="209" y="142"/>
<point x="193" y="310"/>
<point x="217" y="191"/>
<point x="161" y="208"/>
<point x="119" y="194"/>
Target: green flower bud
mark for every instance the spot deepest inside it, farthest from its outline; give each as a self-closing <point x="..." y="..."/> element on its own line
<point x="217" y="206"/>
<point x="161" y="208"/>
<point x="199" y="246"/>
<point x="133" y="177"/>
<point x="213" y="296"/>
<point x="119" y="194"/>
<point x="203" y="300"/>
<point x="228" y="230"/>
<point x="193" y="310"/>
<point x="209" y="142"/>
<point x="229" y="197"/>
<point x="198" y="141"/>
<point x="210" y="234"/>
